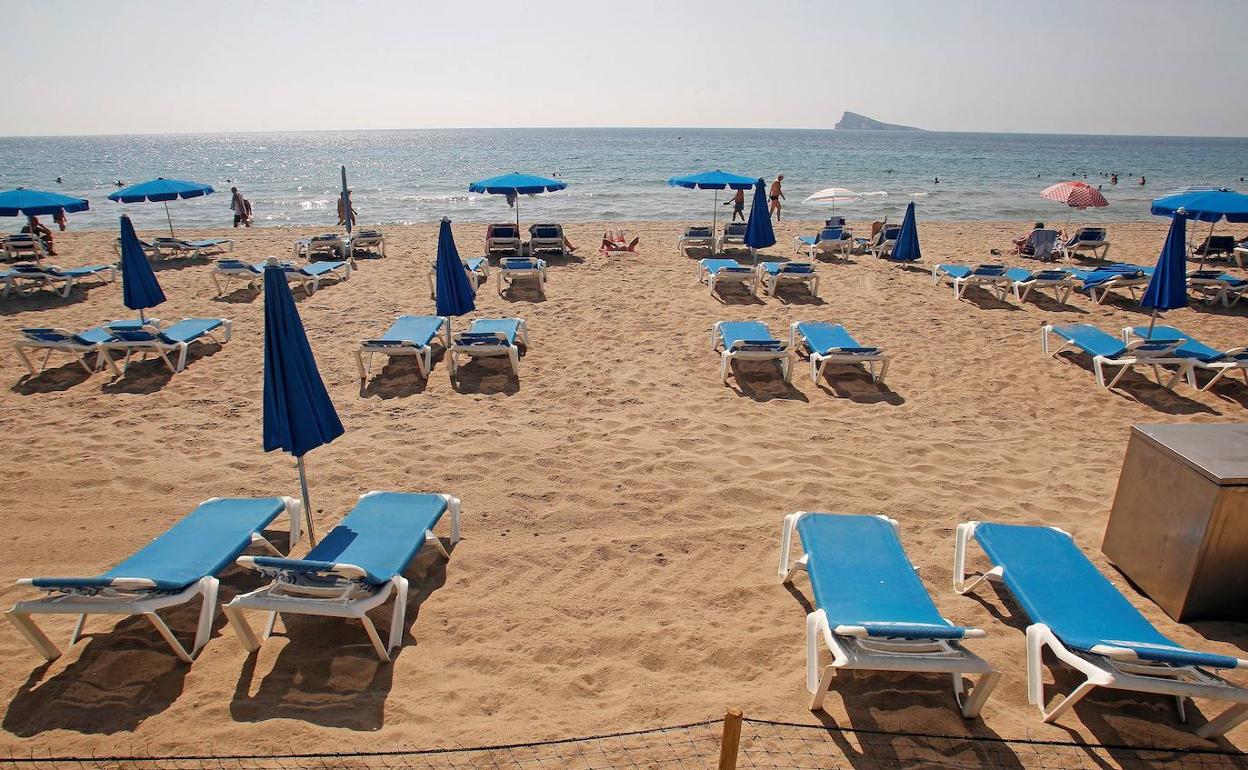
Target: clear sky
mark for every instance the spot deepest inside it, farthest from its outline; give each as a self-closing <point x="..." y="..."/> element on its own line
<point x="1064" y="66"/>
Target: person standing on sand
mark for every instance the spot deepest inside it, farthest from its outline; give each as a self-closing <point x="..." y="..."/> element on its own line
<point x="738" y="205"/>
<point x="342" y="214"/>
<point x="239" y="206"/>
<point x="775" y="195"/>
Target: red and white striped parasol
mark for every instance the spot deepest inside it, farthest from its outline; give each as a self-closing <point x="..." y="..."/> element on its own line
<point x="1077" y="195"/>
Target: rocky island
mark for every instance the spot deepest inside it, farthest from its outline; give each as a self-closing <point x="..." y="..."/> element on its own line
<point x="854" y="122"/>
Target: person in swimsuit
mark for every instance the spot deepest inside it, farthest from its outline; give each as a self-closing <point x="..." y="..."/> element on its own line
<point x="738" y="205"/>
<point x="775" y="195"/>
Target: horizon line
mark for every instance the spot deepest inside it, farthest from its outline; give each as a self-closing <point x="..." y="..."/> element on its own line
<point x="606" y="128"/>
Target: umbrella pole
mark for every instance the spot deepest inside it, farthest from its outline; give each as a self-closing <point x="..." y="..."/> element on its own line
<point x="1151" y="323"/>
<point x="307" y="508"/>
<point x="714" y="216"/>
<point x="517" y="213"/>
<point x="169" y="219"/>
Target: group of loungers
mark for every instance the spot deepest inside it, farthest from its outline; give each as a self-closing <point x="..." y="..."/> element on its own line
<point x="166" y="247"/>
<point x="835" y="239"/>
<point x="1097" y="283"/>
<point x="356" y="567"/>
<point x="411" y="335"/>
<point x="821" y="343"/>
<point x="1164" y="347"/>
<point x="338" y="246"/>
<point x="545" y="238"/>
<point x="306" y="277"/>
<point x="872" y="612"/>
<point x="143" y="337"/>
<point x="770" y="276"/>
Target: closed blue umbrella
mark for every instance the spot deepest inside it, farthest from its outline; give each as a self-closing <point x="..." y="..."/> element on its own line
<point x="1167" y="289"/>
<point x="758" y="232"/>
<point x="298" y="414"/>
<point x="907" y="246"/>
<point x="161" y="190"/>
<point x="514" y="185"/>
<point x="713" y="180"/>
<point x="348" y="218"/>
<point x="455" y="293"/>
<point x="139" y="287"/>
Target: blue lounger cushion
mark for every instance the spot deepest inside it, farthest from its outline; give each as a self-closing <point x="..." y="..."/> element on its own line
<point x="809" y="240"/>
<point x="1218" y="275"/>
<point x="474" y="263"/>
<point x="238" y="264"/>
<point x="546" y="231"/>
<point x="1055" y="584"/>
<point x="188" y="330"/>
<point x="825" y="337"/>
<point x="699" y="232"/>
<point x="717" y="266"/>
<point x="416" y="329"/>
<point x="320" y="268"/>
<point x="522" y="263"/>
<point x="508" y="327"/>
<point x="202" y="544"/>
<point x="1023" y="275"/>
<point x="1093" y="341"/>
<point x="381" y="535"/>
<point x="861" y="576"/>
<point x="89" y="337"/>
<point x="775" y="268"/>
<point x="751" y="334"/>
<point x="1190" y="348"/>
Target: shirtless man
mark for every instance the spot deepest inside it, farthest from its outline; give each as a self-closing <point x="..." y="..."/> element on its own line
<point x="775" y="195"/>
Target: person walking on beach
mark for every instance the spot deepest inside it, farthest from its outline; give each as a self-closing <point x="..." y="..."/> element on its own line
<point x="738" y="205"/>
<point x="775" y="195"/>
<point x="342" y="213"/>
<point x="238" y="204"/>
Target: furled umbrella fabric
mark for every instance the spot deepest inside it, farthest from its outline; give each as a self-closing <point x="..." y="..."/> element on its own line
<point x="298" y="413"/>
<point x="139" y="288"/>
<point x="455" y="293"/>
<point x="907" y="247"/>
<point x="758" y="231"/>
<point x="1167" y="289"/>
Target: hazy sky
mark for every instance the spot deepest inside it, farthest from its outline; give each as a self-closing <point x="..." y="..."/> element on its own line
<point x="163" y="66"/>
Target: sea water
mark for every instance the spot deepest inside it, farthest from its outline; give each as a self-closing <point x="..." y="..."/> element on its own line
<point x="412" y="176"/>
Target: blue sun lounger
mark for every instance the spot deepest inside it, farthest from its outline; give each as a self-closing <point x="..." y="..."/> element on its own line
<point x="1220" y="362"/>
<point x="749" y="341"/>
<point x="831" y="240"/>
<point x="1089" y="625"/>
<point x="353" y="569"/>
<point x="477" y="269"/>
<point x="50" y="275"/>
<point x="826" y="343"/>
<point x="489" y="337"/>
<point x="409" y="335"/>
<point x="696" y="237"/>
<point x="713" y="271"/>
<point x="1106" y="350"/>
<point x="963" y="277"/>
<point x="226" y="270"/>
<point x="191" y="248"/>
<point x="77" y="344"/>
<point x="1109" y="277"/>
<point x="148" y="338"/>
<point x="871" y="609"/>
<point x="172" y="569"/>
<point x="1024" y="281"/>
<point x="1217" y="286"/>
<point x="511" y="269"/>
<point x="773" y="274"/>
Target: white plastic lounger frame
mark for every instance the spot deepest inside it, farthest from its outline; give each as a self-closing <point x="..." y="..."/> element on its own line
<point x="553" y="244"/>
<point x="158" y="347"/>
<point x="1127" y="361"/>
<point x="1129" y="282"/>
<point x="1216" y="290"/>
<point x="1219" y="368"/>
<point x="222" y="275"/>
<point x="23" y="244"/>
<point x="47" y="276"/>
<point x="502" y="348"/>
<point x="996" y="283"/>
<point x="820" y="360"/>
<point x="507" y="275"/>
<point x="424" y="354"/>
<point x="65" y="343"/>
<point x="742" y="275"/>
<point x="342" y="593"/>
<point x="366" y="241"/>
<point x="741" y="351"/>
<point x="1062" y="287"/>
<point x="133" y="596"/>
<point x="812" y="251"/>
<point x="771" y="281"/>
<point x="853" y="649"/>
<point x="334" y="245"/>
<point x="1116" y="668"/>
<point x="312" y="283"/>
<point x="686" y="242"/>
<point x="482" y="273"/>
<point x="503" y="245"/>
<point x="177" y="246"/>
<point x="1081" y="246"/>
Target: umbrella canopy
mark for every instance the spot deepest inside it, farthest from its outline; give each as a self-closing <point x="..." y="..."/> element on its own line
<point x="298" y="414"/>
<point x="1167" y="289"/>
<point x="907" y="247"/>
<point x="455" y="293"/>
<point x="514" y="185"/>
<point x="1077" y="195"/>
<point x="713" y="180"/>
<point x="758" y="232"/>
<point x="35" y="203"/>
<point x="833" y="196"/>
<point x="1205" y="204"/>
<point x="161" y="190"/>
<point x="139" y="287"/>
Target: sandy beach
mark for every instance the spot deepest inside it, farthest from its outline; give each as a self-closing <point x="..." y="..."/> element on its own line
<point x="621" y="506"/>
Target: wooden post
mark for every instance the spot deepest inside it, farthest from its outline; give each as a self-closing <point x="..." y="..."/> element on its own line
<point x="731" y="741"/>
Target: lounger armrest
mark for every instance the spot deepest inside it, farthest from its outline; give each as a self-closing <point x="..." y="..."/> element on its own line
<point x="760" y="345"/>
<point x="390" y="343"/>
<point x="274" y="565"/>
<point x="481" y="338"/>
<point x="79" y="583"/>
<point x="908" y="631"/>
<point x="853" y="350"/>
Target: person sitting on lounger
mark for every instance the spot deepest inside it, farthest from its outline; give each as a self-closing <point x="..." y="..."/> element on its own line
<point x="1023" y="245"/>
<point x="33" y="227"/>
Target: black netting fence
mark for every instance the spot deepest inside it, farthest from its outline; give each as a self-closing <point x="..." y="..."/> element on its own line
<point x="762" y="744"/>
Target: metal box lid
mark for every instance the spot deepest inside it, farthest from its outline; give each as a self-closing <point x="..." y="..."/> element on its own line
<point x="1219" y="452"/>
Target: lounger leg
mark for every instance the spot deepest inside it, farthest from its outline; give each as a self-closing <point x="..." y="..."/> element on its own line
<point x="170" y="639"/>
<point x="786" y="544"/>
<point x="183" y="349"/>
<point x="375" y="639"/>
<point x="883" y="370"/>
<point x="26" y="359"/>
<point x="77" y="632"/>
<point x="34" y="634"/>
<point x="203" y="631"/>
<point x="240" y="625"/>
<point x="1225" y="721"/>
<point x="359" y="364"/>
<point x="724" y="360"/>
<point x="399" y="617"/>
<point x="513" y="355"/>
<point x="816" y="684"/>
